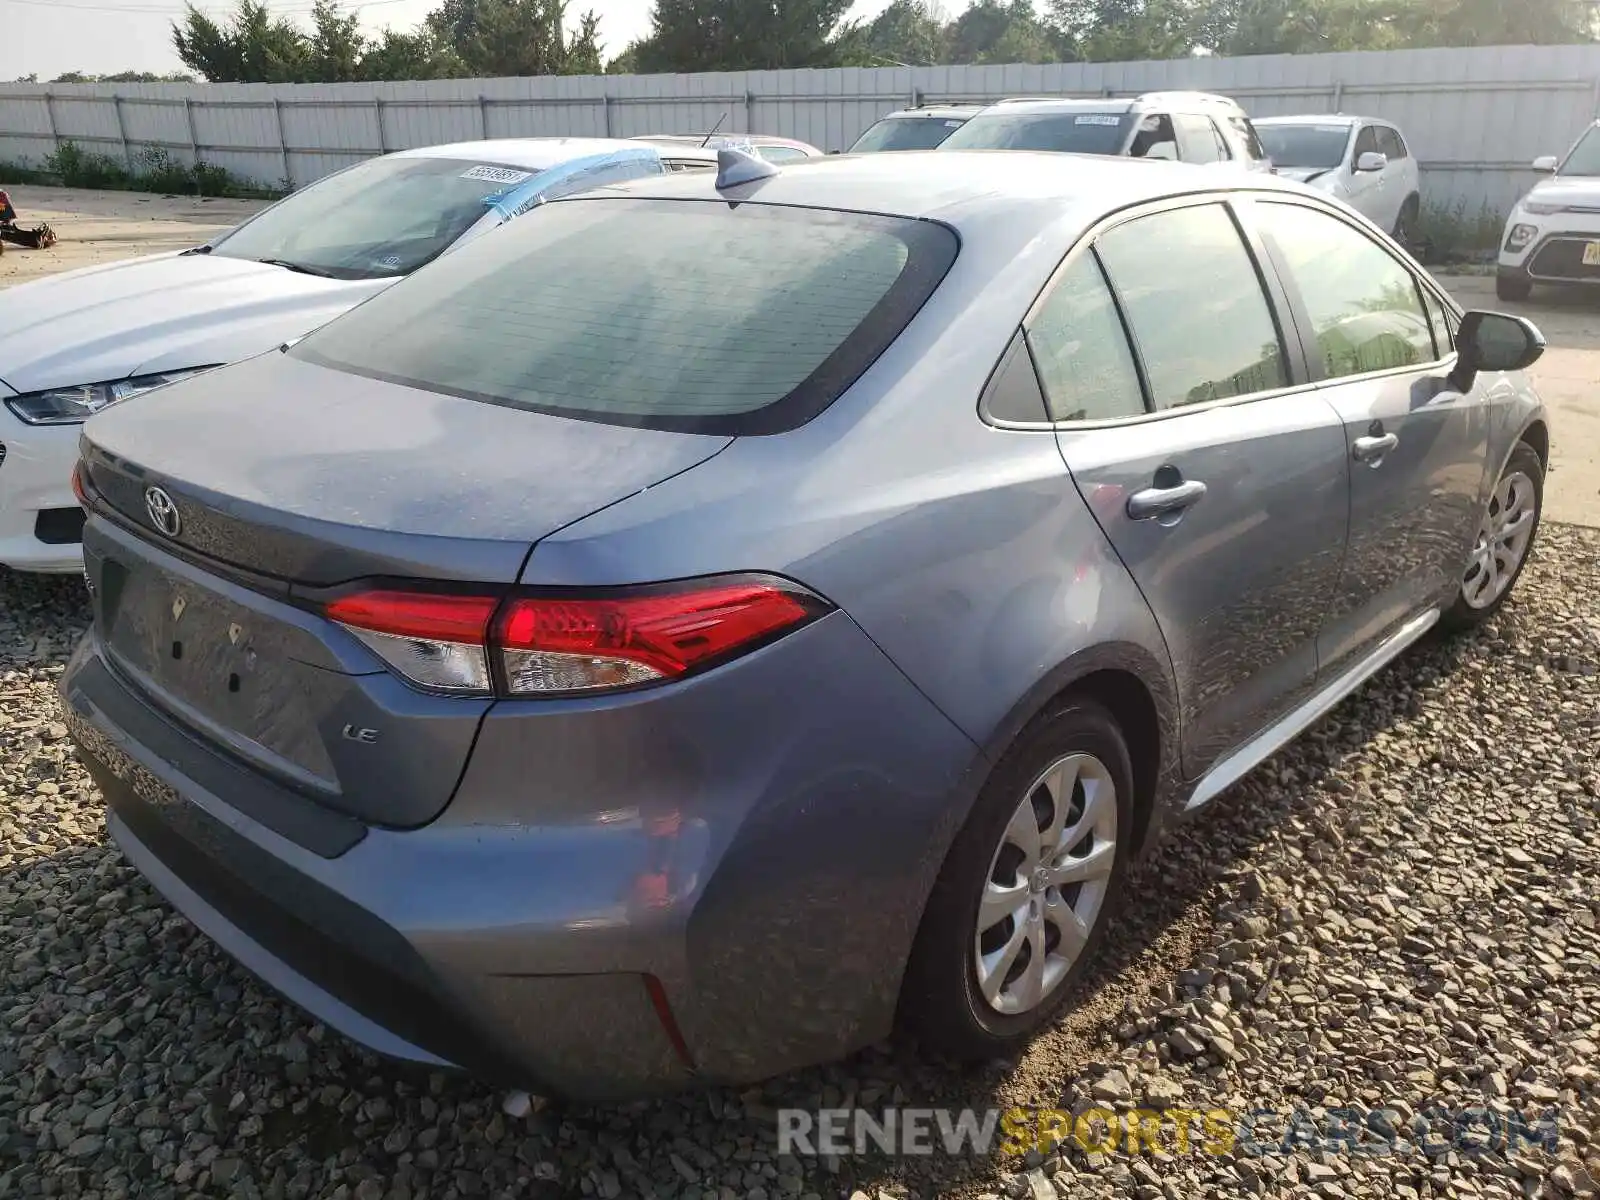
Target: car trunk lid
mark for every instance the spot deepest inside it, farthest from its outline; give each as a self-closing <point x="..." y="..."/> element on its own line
<point x="208" y="605"/>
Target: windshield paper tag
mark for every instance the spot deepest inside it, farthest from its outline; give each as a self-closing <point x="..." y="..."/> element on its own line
<point x="1097" y="119"/>
<point x="505" y="175"/>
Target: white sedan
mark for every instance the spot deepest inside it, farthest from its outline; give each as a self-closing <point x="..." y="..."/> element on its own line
<point x="1362" y="161"/>
<point x="74" y="343"/>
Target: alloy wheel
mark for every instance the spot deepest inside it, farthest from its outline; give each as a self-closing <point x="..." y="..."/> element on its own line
<point x="1046" y="884"/>
<point x="1502" y="541"/>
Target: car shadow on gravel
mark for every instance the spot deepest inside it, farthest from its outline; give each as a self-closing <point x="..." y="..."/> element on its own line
<point x="110" y="986"/>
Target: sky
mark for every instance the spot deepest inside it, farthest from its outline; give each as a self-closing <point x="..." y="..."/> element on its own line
<point x="101" y="37"/>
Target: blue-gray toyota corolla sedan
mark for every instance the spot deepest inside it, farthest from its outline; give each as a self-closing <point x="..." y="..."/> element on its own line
<point x="717" y="619"/>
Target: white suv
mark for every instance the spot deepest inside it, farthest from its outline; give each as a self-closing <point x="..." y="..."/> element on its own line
<point x="1365" y="163"/>
<point x="1553" y="234"/>
<point x="1194" y="127"/>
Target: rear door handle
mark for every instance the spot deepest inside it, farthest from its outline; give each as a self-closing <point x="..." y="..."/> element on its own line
<point x="1162" y="501"/>
<point x="1372" y="448"/>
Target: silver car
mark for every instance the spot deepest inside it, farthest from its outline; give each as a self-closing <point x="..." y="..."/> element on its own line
<point x="717" y="617"/>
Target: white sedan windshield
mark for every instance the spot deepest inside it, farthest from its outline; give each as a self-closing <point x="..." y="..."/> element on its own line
<point x="385" y="217"/>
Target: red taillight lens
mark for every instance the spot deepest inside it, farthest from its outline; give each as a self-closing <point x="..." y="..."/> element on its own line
<point x="551" y="646"/>
<point x="433" y="639"/>
<point x="554" y="645"/>
<point x="77" y="484"/>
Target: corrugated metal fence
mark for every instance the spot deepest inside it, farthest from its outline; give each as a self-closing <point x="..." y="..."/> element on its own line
<point x="1474" y="117"/>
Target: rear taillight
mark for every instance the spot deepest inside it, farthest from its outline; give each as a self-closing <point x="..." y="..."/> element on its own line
<point x="78" y="489"/>
<point x="552" y="645"/>
<point x="433" y="639"/>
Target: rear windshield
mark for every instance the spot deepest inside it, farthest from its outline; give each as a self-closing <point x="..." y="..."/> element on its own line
<point x="906" y="133"/>
<point x="1305" y="147"/>
<point x="685" y="315"/>
<point x="1071" y="133"/>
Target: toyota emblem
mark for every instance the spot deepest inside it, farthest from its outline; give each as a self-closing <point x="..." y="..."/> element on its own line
<point x="163" y="512"/>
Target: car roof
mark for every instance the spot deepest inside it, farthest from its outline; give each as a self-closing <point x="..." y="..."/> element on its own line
<point x="1166" y="101"/>
<point x="1029" y="191"/>
<point x="944" y="111"/>
<point x="696" y="140"/>
<point x="534" y="154"/>
<point x="1320" y="119"/>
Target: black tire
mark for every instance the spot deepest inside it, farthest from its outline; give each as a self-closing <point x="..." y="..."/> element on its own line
<point x="1511" y="288"/>
<point x="1461" y="615"/>
<point x="940" y="1001"/>
<point x="1405" y="225"/>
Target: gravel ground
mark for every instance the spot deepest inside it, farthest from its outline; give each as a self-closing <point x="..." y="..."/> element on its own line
<point x="1401" y="909"/>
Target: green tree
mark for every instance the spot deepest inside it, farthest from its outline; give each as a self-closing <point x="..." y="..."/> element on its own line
<point x="994" y="31"/>
<point x="123" y="77"/>
<point x="337" y="45"/>
<point x="1493" y="22"/>
<point x="516" y="37"/>
<point x="907" y="33"/>
<point x="416" y="55"/>
<point x="1127" y="30"/>
<point x="253" y="47"/>
<point x="745" y="35"/>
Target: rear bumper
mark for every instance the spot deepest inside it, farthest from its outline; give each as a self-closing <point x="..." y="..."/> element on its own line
<point x="336" y="954"/>
<point x="517" y="936"/>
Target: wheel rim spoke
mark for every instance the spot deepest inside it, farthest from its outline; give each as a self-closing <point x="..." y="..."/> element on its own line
<point x="1001" y="901"/>
<point x="1060" y="782"/>
<point x="1096" y="864"/>
<point x="1023" y="833"/>
<point x="1030" y="984"/>
<point x="1095" y="793"/>
<point x="993" y="968"/>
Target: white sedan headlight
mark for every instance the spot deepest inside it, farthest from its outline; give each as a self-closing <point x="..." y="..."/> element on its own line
<point x="72" y="405"/>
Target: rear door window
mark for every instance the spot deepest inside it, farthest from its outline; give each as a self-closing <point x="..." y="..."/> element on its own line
<point x="1365" y="307"/>
<point x="1155" y="139"/>
<point x="1195" y="305"/>
<point x="1391" y="143"/>
<point x="1081" y="349"/>
<point x="1197" y="138"/>
<point x="1366" y="143"/>
<point x="687" y="315"/>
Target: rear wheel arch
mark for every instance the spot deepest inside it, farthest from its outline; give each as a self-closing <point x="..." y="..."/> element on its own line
<point x="1136" y="689"/>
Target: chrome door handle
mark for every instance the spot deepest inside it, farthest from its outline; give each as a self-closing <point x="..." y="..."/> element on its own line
<point x="1160" y="501"/>
<point x="1372" y="449"/>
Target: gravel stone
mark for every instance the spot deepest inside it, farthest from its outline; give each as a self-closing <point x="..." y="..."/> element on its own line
<point x="1399" y="911"/>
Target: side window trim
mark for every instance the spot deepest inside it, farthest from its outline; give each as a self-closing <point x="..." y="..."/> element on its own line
<point x="1317" y="375"/>
<point x="1128" y="334"/>
<point x="1224" y="150"/>
<point x="1273" y="295"/>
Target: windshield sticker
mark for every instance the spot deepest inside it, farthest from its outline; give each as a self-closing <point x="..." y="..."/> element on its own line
<point x="952" y="124"/>
<point x="1097" y="119"/>
<point x="392" y="261"/>
<point x="503" y="175"/>
<point x="1333" y="128"/>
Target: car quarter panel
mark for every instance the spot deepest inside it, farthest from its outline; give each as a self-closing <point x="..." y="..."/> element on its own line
<point x="960" y="548"/>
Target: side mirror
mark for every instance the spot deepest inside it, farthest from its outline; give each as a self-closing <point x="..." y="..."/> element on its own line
<point x="1546" y="164"/>
<point x="1490" y="341"/>
<point x="1372" y="160"/>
